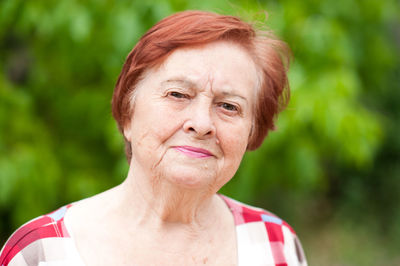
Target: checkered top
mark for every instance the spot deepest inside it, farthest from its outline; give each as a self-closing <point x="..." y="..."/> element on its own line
<point x="262" y="239"/>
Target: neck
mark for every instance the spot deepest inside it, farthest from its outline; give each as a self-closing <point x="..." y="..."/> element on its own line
<point x="155" y="200"/>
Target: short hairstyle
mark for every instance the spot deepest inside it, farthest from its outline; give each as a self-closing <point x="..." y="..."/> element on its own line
<point x="192" y="28"/>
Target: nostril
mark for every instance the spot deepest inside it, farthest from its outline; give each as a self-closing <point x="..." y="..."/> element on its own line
<point x="191" y="129"/>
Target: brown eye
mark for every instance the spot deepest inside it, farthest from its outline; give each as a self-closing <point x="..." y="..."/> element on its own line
<point x="229" y="107"/>
<point x="177" y="95"/>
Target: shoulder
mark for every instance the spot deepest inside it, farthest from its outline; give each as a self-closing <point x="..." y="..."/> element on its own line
<point x="28" y="235"/>
<point x="256" y="226"/>
<point x="245" y="214"/>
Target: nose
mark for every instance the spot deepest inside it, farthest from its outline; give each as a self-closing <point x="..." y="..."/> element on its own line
<point x="200" y="121"/>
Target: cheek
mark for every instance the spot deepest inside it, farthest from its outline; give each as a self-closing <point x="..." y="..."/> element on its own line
<point x="153" y="127"/>
<point x="233" y="148"/>
<point x="234" y="151"/>
<point x="147" y="144"/>
<point x="234" y="143"/>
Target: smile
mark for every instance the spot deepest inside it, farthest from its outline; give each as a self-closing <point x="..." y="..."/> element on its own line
<point x="193" y="151"/>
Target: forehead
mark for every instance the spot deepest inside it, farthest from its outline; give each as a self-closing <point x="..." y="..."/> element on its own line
<point x="220" y="65"/>
<point x="223" y="62"/>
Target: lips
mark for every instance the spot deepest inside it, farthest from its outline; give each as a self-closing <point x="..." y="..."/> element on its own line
<point x="193" y="151"/>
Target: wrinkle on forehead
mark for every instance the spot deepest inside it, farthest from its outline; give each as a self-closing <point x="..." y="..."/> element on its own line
<point x="205" y="74"/>
<point x="209" y="83"/>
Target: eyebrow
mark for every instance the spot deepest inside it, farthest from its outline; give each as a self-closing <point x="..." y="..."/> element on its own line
<point x="184" y="82"/>
<point x="190" y="84"/>
<point x="227" y="93"/>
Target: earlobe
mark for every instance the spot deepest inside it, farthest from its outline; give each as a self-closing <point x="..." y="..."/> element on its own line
<point x="127" y="132"/>
<point x="251" y="131"/>
<point x="250" y="138"/>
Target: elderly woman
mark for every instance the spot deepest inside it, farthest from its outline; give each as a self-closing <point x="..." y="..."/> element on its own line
<point x="196" y="92"/>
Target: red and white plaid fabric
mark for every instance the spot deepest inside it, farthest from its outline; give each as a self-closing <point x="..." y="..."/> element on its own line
<point x="262" y="239"/>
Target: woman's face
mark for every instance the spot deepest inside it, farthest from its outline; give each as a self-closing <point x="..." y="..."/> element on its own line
<point x="192" y="116"/>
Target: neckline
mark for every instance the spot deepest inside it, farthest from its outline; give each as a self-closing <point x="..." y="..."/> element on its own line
<point x="227" y="201"/>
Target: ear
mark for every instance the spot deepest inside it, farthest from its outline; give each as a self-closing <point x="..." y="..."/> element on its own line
<point x="251" y="130"/>
<point x="127" y="132"/>
<point x="250" y="138"/>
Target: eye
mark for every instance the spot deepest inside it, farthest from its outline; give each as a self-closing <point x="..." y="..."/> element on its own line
<point x="177" y="95"/>
<point x="229" y="107"/>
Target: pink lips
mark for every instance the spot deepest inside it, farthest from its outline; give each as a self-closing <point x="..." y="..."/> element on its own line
<point x="193" y="151"/>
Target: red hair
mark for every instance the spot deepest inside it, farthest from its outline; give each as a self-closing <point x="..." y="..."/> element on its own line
<point x="193" y="28"/>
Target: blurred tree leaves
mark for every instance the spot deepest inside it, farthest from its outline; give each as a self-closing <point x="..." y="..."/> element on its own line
<point x="336" y="149"/>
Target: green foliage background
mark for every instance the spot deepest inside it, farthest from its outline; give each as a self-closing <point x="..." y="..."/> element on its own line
<point x="332" y="169"/>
